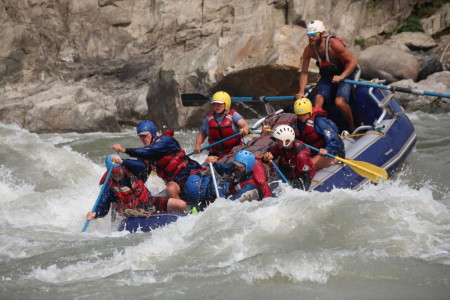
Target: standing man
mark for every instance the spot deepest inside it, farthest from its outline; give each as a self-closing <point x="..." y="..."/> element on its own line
<point x="221" y="123"/>
<point x="335" y="63"/>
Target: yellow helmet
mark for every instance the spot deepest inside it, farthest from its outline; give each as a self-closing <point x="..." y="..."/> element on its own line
<point x="302" y="106"/>
<point x="222" y="97"/>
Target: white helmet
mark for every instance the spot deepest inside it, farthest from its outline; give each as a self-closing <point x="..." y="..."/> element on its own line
<point x="284" y="133"/>
<point x="315" y="26"/>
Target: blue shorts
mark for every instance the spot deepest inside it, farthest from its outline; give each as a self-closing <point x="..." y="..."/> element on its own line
<point x="327" y="89"/>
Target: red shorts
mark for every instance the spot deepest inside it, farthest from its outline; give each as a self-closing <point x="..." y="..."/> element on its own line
<point x="160" y="203"/>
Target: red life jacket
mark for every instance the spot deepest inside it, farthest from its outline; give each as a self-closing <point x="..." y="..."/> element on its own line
<point x="294" y="163"/>
<point x="309" y="135"/>
<point x="218" y="132"/>
<point x="259" y="179"/>
<point x="170" y="165"/>
<point x="130" y="198"/>
<point x="327" y="67"/>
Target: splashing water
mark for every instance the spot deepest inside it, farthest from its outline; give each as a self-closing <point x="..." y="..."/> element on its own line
<point x="390" y="240"/>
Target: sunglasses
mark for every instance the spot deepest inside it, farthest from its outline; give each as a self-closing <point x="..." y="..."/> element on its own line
<point x="239" y="164"/>
<point x="313" y="34"/>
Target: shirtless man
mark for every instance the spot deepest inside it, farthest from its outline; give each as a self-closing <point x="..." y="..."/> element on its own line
<point x="335" y="63"/>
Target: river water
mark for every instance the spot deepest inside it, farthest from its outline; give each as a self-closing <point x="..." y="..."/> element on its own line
<point x="390" y="241"/>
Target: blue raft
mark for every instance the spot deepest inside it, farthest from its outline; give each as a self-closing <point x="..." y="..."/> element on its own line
<point x="385" y="137"/>
<point x="147" y="224"/>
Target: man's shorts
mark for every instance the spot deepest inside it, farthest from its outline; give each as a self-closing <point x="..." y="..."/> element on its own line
<point x="160" y="203"/>
<point x="328" y="89"/>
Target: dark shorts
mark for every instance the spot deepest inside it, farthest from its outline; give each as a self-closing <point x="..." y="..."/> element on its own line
<point x="327" y="89"/>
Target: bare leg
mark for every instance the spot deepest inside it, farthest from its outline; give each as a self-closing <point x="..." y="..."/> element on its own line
<point x="173" y="190"/>
<point x="319" y="100"/>
<point x="176" y="205"/>
<point x="346" y="112"/>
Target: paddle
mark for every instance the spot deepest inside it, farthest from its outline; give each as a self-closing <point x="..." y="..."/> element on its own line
<point x="214" y="180"/>
<point x="215" y="143"/>
<point x="279" y="172"/>
<point x="397" y="88"/>
<point x="99" y="196"/>
<point x="199" y="99"/>
<point x="364" y="169"/>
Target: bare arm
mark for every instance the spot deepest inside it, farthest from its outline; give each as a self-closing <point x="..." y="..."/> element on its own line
<point x="304" y="73"/>
<point x="342" y="52"/>
<point x="118" y="148"/>
<point x="199" y="141"/>
<point x="245" y="128"/>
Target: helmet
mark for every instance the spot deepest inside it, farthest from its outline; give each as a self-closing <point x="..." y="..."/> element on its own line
<point x="246" y="158"/>
<point x="222" y="97"/>
<point x="315" y="26"/>
<point x="302" y="106"/>
<point x="284" y="133"/>
<point x="108" y="162"/>
<point x="146" y="127"/>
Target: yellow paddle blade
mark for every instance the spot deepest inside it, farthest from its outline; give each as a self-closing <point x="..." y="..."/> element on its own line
<point x="365" y="169"/>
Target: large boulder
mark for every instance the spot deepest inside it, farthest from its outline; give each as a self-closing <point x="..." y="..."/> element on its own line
<point x="388" y="63"/>
<point x="429" y="65"/>
<point x="54" y="106"/>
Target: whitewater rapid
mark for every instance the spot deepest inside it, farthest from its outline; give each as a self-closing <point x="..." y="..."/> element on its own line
<point x="390" y="240"/>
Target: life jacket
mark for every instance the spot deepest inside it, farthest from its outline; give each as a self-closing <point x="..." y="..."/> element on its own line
<point x="327" y="67"/>
<point x="288" y="161"/>
<point x="220" y="131"/>
<point x="308" y="134"/>
<point x="256" y="177"/>
<point x="170" y="165"/>
<point x="129" y="198"/>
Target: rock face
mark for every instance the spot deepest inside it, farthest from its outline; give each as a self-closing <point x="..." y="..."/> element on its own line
<point x="95" y="65"/>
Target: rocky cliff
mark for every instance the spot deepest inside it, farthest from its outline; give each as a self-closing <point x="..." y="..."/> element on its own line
<point x="95" y="65"/>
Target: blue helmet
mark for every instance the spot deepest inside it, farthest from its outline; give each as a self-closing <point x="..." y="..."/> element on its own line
<point x="246" y="158"/>
<point x="145" y="127"/>
<point x="108" y="162"/>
